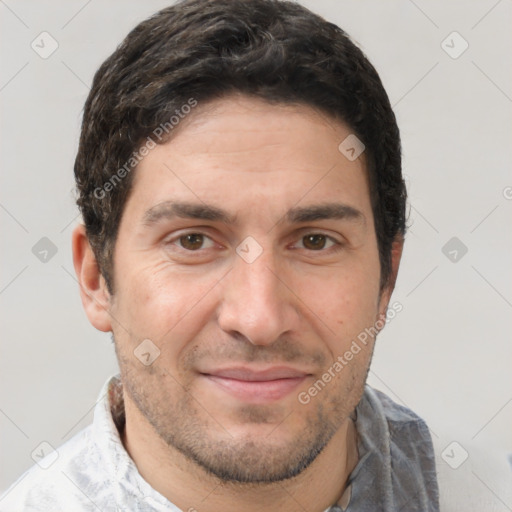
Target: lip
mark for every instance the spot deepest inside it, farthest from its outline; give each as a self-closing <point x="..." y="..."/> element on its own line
<point x="256" y="386"/>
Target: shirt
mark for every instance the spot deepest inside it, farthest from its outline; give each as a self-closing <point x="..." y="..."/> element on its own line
<point x="93" y="471"/>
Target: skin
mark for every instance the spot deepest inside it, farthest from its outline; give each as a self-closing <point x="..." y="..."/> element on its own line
<point x="300" y="303"/>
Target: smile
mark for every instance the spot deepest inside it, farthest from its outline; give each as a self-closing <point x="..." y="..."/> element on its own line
<point x="257" y="386"/>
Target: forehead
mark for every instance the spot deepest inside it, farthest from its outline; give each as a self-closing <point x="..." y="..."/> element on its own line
<point x="239" y="147"/>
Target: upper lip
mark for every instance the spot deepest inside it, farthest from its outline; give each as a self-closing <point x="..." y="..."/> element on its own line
<point x="249" y="374"/>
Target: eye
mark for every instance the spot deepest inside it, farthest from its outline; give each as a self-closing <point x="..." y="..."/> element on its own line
<point x="316" y="242"/>
<point x="194" y="241"/>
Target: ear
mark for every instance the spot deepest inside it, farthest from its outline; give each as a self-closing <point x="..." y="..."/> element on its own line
<point x="396" y="255"/>
<point x="93" y="288"/>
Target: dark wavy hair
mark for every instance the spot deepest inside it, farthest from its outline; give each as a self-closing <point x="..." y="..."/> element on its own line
<point x="275" y="50"/>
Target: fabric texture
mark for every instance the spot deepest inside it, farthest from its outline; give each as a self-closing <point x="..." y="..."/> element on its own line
<point x="395" y="472"/>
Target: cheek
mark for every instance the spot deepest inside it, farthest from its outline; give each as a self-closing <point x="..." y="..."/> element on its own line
<point x="345" y="299"/>
<point x="165" y="306"/>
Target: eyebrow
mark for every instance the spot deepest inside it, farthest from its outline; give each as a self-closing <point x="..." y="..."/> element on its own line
<point x="326" y="211"/>
<point x="170" y="209"/>
<point x="202" y="211"/>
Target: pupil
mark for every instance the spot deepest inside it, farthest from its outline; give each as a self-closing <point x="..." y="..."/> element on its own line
<point x="192" y="241"/>
<point x="314" y="241"/>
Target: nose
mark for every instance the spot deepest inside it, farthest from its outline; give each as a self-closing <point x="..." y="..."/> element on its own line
<point x="256" y="303"/>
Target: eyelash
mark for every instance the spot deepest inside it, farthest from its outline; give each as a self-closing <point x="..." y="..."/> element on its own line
<point x="335" y="244"/>
<point x="335" y="247"/>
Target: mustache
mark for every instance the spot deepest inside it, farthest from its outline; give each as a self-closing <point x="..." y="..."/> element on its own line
<point x="281" y="351"/>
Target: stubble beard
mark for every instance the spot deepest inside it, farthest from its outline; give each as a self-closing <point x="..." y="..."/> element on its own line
<point x="187" y="427"/>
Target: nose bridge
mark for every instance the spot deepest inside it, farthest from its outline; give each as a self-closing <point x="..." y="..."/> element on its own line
<point x="255" y="303"/>
<point x="260" y="279"/>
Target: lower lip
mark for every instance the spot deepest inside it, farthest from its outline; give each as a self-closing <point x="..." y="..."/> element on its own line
<point x="257" y="391"/>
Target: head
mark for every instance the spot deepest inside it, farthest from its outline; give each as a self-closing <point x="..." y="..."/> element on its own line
<point x="225" y="222"/>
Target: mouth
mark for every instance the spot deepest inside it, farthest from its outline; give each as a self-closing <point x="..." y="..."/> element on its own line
<point x="256" y="386"/>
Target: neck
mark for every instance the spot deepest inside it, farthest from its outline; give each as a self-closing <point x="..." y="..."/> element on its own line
<point x="190" y="487"/>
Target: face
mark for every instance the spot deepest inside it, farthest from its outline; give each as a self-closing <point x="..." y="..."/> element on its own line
<point x="247" y="255"/>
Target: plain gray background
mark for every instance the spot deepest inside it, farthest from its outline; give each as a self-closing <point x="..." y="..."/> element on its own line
<point x="447" y="355"/>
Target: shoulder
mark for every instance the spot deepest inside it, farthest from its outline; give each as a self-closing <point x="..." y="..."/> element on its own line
<point x="394" y="412"/>
<point x="58" y="480"/>
<point x="470" y="476"/>
<point x="409" y="435"/>
<point x="403" y="424"/>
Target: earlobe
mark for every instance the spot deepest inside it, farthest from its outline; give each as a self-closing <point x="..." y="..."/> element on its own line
<point x="93" y="289"/>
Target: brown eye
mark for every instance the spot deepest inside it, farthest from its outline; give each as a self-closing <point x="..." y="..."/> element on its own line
<point x="314" y="242"/>
<point x="192" y="241"/>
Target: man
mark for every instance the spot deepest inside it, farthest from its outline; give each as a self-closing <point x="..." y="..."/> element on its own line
<point x="240" y="185"/>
